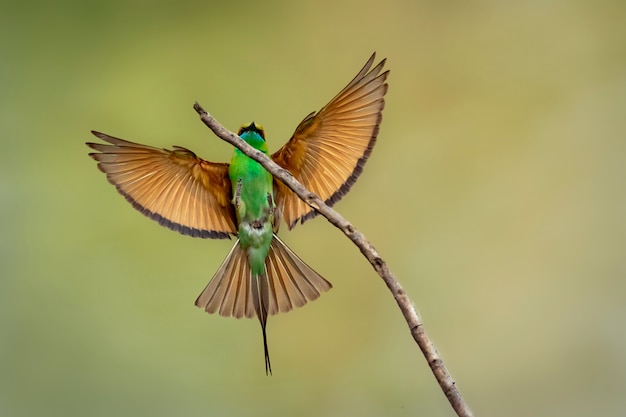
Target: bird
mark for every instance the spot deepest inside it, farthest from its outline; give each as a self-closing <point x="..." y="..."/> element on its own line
<point x="261" y="276"/>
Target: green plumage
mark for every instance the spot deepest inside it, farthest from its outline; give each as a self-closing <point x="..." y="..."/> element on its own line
<point x="253" y="201"/>
<point x="253" y="198"/>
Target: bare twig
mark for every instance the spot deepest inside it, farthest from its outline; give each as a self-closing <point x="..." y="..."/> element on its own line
<point x="416" y="327"/>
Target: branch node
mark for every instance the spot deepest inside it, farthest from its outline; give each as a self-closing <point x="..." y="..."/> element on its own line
<point x="378" y="263"/>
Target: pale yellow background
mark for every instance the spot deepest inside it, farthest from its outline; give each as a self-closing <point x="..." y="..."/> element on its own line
<point x="496" y="193"/>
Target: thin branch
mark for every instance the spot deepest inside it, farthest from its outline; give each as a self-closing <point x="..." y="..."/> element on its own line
<point x="416" y="327"/>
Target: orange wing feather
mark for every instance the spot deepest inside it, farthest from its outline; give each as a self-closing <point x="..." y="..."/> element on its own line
<point x="329" y="148"/>
<point x="173" y="187"/>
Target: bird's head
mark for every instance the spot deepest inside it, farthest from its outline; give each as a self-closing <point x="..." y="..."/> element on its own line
<point x="252" y="127"/>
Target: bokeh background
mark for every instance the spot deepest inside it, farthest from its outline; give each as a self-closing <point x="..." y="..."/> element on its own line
<point x="496" y="193"/>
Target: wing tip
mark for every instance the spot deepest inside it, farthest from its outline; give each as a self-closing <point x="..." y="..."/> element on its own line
<point x="102" y="136"/>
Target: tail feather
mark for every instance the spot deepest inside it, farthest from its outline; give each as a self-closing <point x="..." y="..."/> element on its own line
<point x="288" y="282"/>
<point x="292" y="282"/>
<point x="260" y="300"/>
<point x="229" y="291"/>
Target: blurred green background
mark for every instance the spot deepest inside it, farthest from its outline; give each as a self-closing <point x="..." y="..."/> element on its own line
<point x="496" y="193"/>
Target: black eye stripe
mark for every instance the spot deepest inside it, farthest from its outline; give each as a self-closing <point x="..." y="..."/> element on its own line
<point x="252" y="127"/>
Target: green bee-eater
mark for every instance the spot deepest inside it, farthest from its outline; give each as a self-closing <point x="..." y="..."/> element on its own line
<point x="260" y="276"/>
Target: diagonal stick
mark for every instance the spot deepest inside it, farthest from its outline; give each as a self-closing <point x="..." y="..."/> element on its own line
<point x="411" y="317"/>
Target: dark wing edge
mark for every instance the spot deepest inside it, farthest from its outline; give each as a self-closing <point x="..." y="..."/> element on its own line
<point x="350" y="181"/>
<point x="180" y="228"/>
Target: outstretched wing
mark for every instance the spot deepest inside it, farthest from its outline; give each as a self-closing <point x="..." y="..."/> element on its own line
<point x="329" y="148"/>
<point x="173" y="187"/>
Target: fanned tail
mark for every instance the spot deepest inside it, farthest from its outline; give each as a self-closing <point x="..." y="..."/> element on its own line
<point x="288" y="282"/>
